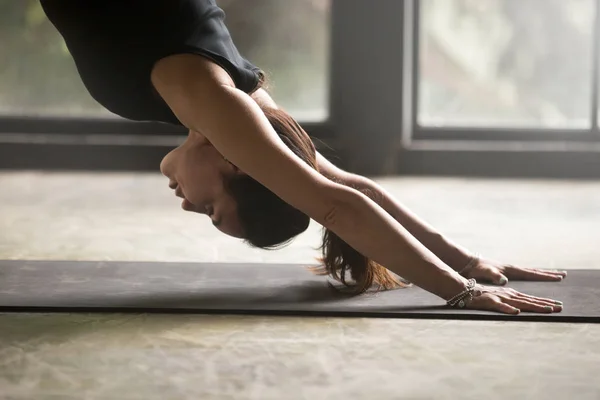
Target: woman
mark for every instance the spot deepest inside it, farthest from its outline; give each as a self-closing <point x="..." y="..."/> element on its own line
<point x="249" y="166"/>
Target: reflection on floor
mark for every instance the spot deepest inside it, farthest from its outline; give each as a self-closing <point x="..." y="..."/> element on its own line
<point x="136" y="217"/>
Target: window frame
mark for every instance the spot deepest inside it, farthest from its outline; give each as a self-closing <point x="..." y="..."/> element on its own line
<point x="492" y="133"/>
<point x="372" y="126"/>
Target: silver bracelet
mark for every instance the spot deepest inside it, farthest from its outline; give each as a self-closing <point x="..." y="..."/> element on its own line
<point x="464" y="297"/>
<point x="472" y="263"/>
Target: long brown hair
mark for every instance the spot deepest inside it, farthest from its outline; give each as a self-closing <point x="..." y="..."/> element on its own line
<point x="270" y="223"/>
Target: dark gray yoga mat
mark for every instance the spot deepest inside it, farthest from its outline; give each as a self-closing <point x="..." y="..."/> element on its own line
<point x="265" y="289"/>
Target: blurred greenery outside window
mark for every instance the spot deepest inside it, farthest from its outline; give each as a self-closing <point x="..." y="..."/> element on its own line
<point x="483" y="63"/>
<point x="506" y="63"/>
<point x="287" y="39"/>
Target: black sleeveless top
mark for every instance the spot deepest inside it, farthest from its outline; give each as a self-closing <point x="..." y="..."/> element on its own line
<point x="115" y="44"/>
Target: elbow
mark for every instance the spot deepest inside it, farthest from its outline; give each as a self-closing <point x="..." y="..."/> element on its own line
<point x="330" y="219"/>
<point x="340" y="212"/>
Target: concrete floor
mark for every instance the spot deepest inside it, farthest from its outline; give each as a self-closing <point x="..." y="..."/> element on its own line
<point x="136" y="217"/>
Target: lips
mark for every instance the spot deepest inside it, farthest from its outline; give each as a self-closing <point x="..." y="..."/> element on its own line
<point x="179" y="193"/>
<point x="187" y="206"/>
<point x="175" y="186"/>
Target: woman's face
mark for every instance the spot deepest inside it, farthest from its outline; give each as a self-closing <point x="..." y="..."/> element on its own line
<point x="197" y="172"/>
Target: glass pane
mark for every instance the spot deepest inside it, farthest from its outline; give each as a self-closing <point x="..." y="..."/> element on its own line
<point x="288" y="39"/>
<point x="515" y="63"/>
<point x="37" y="75"/>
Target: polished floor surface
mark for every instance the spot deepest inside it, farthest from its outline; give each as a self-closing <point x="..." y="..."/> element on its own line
<point x="81" y="216"/>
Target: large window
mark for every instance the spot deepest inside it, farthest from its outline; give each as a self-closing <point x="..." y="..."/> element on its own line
<point x="506" y="63"/>
<point x="288" y="39"/>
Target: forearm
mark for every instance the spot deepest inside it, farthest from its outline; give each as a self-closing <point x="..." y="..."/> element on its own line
<point x="450" y="253"/>
<point x="204" y="100"/>
<point x="370" y="230"/>
<point x="374" y="233"/>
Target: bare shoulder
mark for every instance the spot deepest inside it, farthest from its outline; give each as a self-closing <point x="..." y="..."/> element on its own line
<point x="326" y="167"/>
<point x="264" y="99"/>
<point x="175" y="72"/>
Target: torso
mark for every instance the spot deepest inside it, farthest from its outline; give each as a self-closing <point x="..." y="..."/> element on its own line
<point x="116" y="43"/>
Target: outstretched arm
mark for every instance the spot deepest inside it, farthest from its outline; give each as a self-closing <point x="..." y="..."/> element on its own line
<point x="449" y="252"/>
<point x="205" y="100"/>
<point x="453" y="255"/>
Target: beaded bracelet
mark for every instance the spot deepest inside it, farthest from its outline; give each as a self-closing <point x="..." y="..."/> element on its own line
<point x="464" y="297"/>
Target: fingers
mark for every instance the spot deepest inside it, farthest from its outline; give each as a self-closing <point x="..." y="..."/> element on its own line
<point x="509" y="301"/>
<point x="505" y="308"/>
<point x="496" y="277"/>
<point x="541" y="300"/>
<point x="555" y="306"/>
<point x="500" y="279"/>
<point x="533" y="274"/>
<point x="489" y="274"/>
<point x="489" y="302"/>
<point x="529" y="305"/>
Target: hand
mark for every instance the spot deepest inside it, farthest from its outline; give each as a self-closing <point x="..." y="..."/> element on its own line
<point x="510" y="301"/>
<point x="494" y="272"/>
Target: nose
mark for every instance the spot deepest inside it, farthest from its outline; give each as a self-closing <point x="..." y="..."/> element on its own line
<point x="163" y="166"/>
<point x="166" y="166"/>
<point x="163" y="170"/>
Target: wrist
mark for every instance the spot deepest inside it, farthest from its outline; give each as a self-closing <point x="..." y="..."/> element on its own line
<point x="472" y="262"/>
<point x="451" y="254"/>
<point x="452" y="285"/>
<point x="462" y="299"/>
